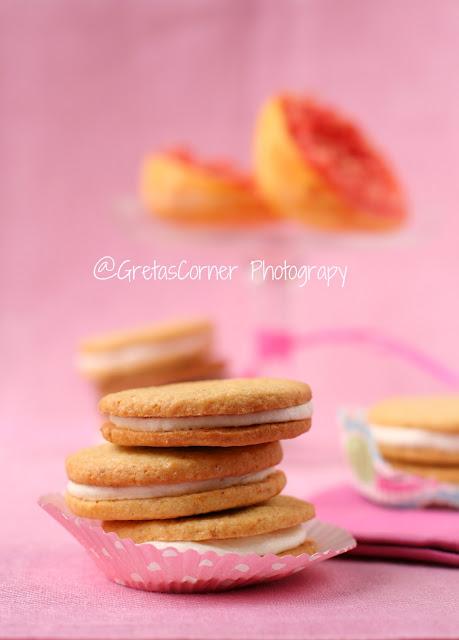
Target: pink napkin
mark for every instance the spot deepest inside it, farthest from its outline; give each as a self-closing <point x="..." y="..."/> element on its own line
<point x="424" y="535"/>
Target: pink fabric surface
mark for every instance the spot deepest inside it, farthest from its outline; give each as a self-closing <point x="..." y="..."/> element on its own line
<point x="49" y="588"/>
<point x="89" y="87"/>
<point x="406" y="553"/>
<point x="431" y="535"/>
<point x="66" y="597"/>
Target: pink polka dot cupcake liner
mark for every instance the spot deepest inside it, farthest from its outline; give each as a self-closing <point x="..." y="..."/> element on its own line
<point x="142" y="566"/>
<point x="377" y="480"/>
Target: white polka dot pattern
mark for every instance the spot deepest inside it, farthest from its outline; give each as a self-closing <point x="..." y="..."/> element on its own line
<point x="151" y="569"/>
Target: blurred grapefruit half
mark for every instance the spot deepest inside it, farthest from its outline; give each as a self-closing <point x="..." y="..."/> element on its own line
<point x="313" y="164"/>
<point x="178" y="187"/>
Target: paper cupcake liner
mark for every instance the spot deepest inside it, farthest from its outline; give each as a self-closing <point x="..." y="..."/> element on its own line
<point x="376" y="479"/>
<point x="142" y="566"/>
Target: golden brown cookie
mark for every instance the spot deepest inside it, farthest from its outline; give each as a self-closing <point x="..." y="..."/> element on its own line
<point x="155" y="347"/>
<point x="450" y="475"/>
<point x="229" y="437"/>
<point x="277" y="513"/>
<point x="422" y="456"/>
<point x="110" y="482"/>
<point x="206" y="368"/>
<point x="439" y="413"/>
<point x="308" y="546"/>
<point x="154" y="333"/>
<point x="107" y="465"/>
<point x="184" y="505"/>
<point x="207" y="398"/>
<point x="209" y="413"/>
<point x="419" y="429"/>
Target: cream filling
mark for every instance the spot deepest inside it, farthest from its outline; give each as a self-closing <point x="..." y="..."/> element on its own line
<point x="300" y="412"/>
<point x="417" y="438"/>
<point x="263" y="544"/>
<point x="145" y="353"/>
<point x="91" y="492"/>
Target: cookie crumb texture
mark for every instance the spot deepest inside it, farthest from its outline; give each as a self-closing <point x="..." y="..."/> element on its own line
<point x="108" y="465"/>
<point x="237" y="396"/>
<point x="277" y="513"/>
<point x="220" y="437"/>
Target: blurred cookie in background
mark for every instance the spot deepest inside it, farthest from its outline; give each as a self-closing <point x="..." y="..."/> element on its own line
<point x="206" y="368"/>
<point x="158" y="354"/>
<point x="447" y="475"/>
<point x="419" y="434"/>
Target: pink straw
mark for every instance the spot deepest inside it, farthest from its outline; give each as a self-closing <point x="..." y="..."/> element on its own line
<point x="280" y="344"/>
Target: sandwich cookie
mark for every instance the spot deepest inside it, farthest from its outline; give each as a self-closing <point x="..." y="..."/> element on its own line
<point x="108" y="482"/>
<point x="422" y="430"/>
<point x="205" y="368"/>
<point x="273" y="527"/>
<point x="444" y="474"/>
<point x="219" y="413"/>
<point x="150" y="349"/>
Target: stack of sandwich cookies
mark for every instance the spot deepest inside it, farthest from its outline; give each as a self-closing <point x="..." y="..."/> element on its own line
<point x="273" y="527"/>
<point x="193" y="466"/>
<point x="419" y="435"/>
<point x="160" y="354"/>
<point x="217" y="413"/>
<point x="108" y="482"/>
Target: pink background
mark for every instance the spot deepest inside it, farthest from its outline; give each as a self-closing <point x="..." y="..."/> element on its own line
<point x="89" y="87"/>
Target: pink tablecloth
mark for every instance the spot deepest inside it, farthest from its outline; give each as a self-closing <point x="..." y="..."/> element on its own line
<point x="50" y="589"/>
<point x="428" y="535"/>
<point x="89" y="88"/>
<point x="59" y="594"/>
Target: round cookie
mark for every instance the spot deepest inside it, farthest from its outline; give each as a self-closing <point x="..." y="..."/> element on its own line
<point x="449" y="475"/>
<point x="432" y="412"/>
<point x="120" y="483"/>
<point x="178" y="506"/>
<point x="107" y="465"/>
<point x="277" y="513"/>
<point x="425" y="456"/>
<point x="155" y="333"/>
<point x="206" y="368"/>
<point x="208" y="398"/>
<point x="210" y="413"/>
<point x="155" y="347"/>
<point x="234" y="437"/>
<point x="422" y="430"/>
